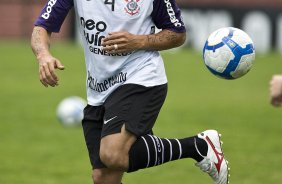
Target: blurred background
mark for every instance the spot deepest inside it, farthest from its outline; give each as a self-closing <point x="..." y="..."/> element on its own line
<point x="36" y="148"/>
<point x="262" y="19"/>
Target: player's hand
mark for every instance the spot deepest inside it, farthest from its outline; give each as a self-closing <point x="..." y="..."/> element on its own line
<point x="276" y="90"/>
<point x="122" y="42"/>
<point x="47" y="66"/>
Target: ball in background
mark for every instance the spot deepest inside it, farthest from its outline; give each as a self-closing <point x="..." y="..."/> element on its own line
<point x="229" y="53"/>
<point x="70" y="111"/>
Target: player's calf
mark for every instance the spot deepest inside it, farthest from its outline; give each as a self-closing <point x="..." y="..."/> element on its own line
<point x="106" y="176"/>
<point x="150" y="151"/>
<point x="97" y="176"/>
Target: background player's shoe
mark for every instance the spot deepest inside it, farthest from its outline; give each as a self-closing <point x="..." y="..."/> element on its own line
<point x="214" y="163"/>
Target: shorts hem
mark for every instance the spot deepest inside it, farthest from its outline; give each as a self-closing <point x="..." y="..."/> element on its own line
<point x="127" y="128"/>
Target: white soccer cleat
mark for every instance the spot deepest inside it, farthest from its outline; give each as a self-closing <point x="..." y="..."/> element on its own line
<point x="214" y="163"/>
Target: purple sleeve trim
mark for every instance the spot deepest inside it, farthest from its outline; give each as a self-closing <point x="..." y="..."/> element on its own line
<point x="166" y="15"/>
<point x="53" y="14"/>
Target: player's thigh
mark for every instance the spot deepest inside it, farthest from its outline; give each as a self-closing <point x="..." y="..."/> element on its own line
<point x="114" y="149"/>
<point x="134" y="106"/>
<point x="107" y="176"/>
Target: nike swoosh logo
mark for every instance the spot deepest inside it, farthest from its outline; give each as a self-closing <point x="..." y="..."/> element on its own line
<point x="107" y="121"/>
<point x="218" y="155"/>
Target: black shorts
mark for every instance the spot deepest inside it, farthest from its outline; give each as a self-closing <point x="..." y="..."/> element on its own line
<point x="134" y="105"/>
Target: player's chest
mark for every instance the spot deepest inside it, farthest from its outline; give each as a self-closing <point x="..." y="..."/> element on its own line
<point x="120" y="9"/>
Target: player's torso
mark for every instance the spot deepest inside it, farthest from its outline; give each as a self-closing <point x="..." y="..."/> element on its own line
<point x="105" y="72"/>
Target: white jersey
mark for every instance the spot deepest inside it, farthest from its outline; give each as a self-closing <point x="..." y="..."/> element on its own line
<point x="98" y="18"/>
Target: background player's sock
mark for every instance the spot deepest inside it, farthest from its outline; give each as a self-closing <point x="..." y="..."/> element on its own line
<point x="149" y="151"/>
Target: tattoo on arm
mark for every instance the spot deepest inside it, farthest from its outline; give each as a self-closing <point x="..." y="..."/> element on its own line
<point x="170" y="36"/>
<point x="165" y="39"/>
<point x="151" y="39"/>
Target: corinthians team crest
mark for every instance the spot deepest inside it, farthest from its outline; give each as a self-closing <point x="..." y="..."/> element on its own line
<point x="132" y="8"/>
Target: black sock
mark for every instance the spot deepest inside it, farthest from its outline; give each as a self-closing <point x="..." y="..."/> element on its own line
<point x="149" y="151"/>
<point x="189" y="148"/>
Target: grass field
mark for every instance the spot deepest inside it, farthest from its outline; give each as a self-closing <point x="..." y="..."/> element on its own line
<point x="35" y="148"/>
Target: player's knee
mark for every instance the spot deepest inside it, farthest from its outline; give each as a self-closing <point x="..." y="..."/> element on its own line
<point x="113" y="159"/>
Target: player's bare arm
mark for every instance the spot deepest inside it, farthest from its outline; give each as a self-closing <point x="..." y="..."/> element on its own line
<point x="40" y="43"/>
<point x="121" y="42"/>
<point x="276" y="90"/>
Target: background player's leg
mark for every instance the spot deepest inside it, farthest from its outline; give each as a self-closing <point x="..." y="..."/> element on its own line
<point x="106" y="176"/>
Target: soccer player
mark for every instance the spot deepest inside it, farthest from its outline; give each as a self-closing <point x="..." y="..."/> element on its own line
<point x="276" y="90"/>
<point x="126" y="84"/>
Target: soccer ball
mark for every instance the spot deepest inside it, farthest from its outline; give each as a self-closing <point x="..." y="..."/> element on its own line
<point x="229" y="53"/>
<point x="70" y="111"/>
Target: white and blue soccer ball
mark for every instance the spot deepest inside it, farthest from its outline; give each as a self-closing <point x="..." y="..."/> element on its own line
<point x="229" y="53"/>
<point x="70" y="111"/>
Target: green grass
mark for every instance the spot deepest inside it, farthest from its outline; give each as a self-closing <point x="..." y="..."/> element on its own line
<point x="35" y="148"/>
